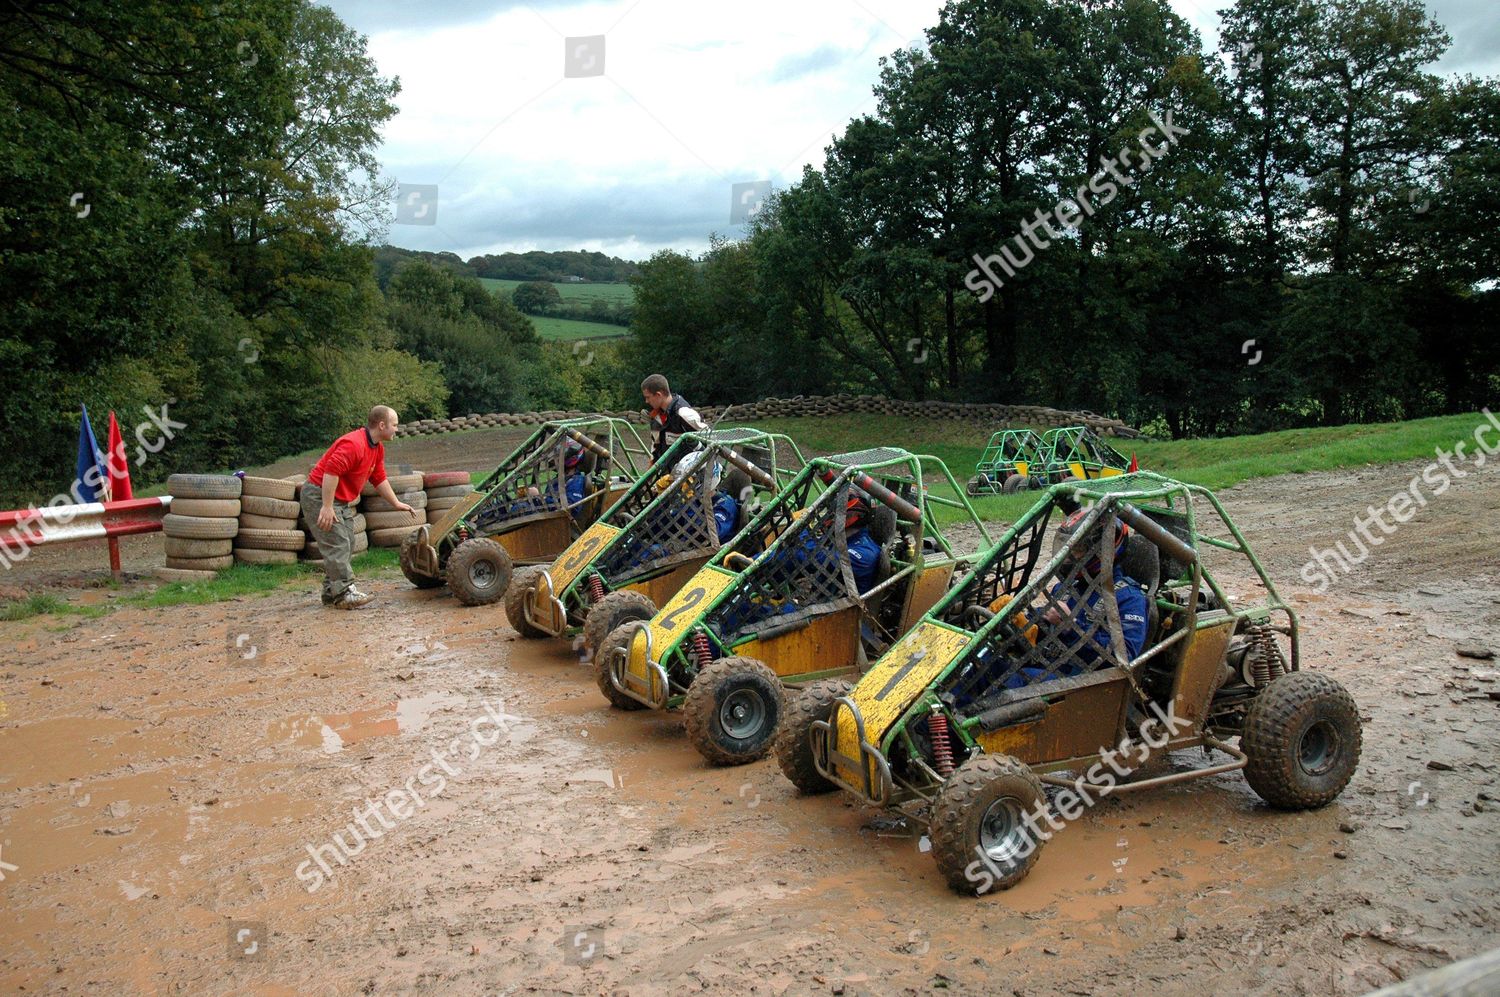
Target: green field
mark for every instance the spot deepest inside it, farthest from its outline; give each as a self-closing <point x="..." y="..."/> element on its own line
<point x="614" y="294"/>
<point x="568" y="329"/>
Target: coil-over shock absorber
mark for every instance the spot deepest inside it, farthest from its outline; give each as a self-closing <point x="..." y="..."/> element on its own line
<point x="596" y="588"/>
<point x="942" y="743"/>
<point x="1266" y="660"/>
<point x="703" y="652"/>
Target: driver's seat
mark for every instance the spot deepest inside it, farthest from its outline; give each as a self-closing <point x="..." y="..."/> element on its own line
<point x="1141" y="562"/>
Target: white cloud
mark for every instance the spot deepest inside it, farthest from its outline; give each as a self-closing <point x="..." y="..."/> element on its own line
<point x="695" y="97"/>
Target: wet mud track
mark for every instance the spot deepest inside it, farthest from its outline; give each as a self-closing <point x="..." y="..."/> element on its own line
<point x="164" y="782"/>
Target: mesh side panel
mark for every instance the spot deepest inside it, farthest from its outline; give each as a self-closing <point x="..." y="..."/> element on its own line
<point x="1005" y="572"/>
<point x="678" y="526"/>
<point x="877" y="455"/>
<point x="806" y="574"/>
<point x="1086" y="639"/>
<point x="540" y="471"/>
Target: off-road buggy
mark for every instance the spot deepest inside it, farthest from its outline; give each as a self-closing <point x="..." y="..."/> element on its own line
<point x="654" y="539"/>
<point x="780" y="603"/>
<point x="966" y="718"/>
<point x="529" y="509"/>
<point x="1010" y="454"/>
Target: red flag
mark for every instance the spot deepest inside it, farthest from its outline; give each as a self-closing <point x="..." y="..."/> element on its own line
<point x="119" y="465"/>
<point x="1135" y="465"/>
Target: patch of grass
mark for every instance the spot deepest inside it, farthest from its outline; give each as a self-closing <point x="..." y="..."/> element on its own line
<point x="615" y="294"/>
<point x="567" y="330"/>
<point x="253" y="579"/>
<point x="46" y="604"/>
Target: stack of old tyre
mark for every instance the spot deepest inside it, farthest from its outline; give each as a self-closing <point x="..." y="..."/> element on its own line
<point x="201" y="525"/>
<point x="268" y="533"/>
<point x="386" y="526"/>
<point x="444" y="490"/>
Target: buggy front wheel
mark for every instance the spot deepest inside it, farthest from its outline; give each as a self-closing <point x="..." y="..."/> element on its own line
<point x="808" y="705"/>
<point x="732" y="710"/>
<point x="1302" y="739"/>
<point x="479" y="571"/>
<point x="984" y="827"/>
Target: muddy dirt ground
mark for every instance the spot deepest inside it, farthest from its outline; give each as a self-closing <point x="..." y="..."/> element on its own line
<point x="161" y="787"/>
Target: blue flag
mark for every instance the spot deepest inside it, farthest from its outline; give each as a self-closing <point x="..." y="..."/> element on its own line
<point x="92" y="471"/>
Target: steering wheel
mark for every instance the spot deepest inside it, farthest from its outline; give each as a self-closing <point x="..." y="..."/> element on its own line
<point x="980" y="615"/>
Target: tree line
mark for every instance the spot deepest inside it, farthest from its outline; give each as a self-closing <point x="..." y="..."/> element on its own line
<point x="1316" y="246"/>
<point x="189" y="196"/>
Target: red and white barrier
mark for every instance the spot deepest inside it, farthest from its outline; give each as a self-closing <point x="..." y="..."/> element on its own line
<point x="23" y="529"/>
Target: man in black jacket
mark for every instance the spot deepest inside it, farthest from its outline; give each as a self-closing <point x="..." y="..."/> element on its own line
<point x="670" y="414"/>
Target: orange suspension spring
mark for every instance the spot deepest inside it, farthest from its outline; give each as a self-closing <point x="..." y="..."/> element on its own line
<point x="701" y="649"/>
<point x="942" y="746"/>
<point x="596" y="588"/>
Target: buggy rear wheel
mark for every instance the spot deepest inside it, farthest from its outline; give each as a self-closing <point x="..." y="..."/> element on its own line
<point x="619" y="639"/>
<point x="812" y="703"/>
<point x="984" y="835"/>
<point x="479" y="571"/>
<point x="1016" y="483"/>
<point x="1302" y="737"/>
<point x="977" y="485"/>
<point x="419" y="578"/>
<point x="612" y="612"/>
<point x="733" y="709"/>
<point x="521" y="585"/>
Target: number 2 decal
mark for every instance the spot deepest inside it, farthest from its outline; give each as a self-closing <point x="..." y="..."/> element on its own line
<point x="690" y="600"/>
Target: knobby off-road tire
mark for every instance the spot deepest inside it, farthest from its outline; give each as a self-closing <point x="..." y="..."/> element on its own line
<point x="620" y="637"/>
<point x="612" y="612"/>
<point x="1302" y="737"/>
<point x="409" y="567"/>
<point x="793" y="749"/>
<point x="733" y="710"/>
<point x="204" y="486"/>
<point x="981" y="809"/>
<point x="521" y="584"/>
<point x="479" y="571"/>
<point x="1015" y="483"/>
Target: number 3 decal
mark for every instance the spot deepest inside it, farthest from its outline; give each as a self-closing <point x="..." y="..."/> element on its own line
<point x="690" y="600"/>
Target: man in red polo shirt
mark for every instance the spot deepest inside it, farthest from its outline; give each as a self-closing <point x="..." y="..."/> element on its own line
<point x="328" y="505"/>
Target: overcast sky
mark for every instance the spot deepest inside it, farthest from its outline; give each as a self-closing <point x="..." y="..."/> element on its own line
<point x="694" y="97"/>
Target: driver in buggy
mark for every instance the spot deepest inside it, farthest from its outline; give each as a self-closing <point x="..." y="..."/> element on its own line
<point x="1073" y="615"/>
<point x="574" y="482"/>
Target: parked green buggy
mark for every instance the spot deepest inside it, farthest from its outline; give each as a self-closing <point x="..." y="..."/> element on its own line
<point x="656" y="537"/>
<point x="780" y="603"/>
<point x="529" y="509"/>
<point x="1018" y="460"/>
<point x="1022" y="673"/>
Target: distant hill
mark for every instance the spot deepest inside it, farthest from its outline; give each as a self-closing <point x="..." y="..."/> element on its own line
<point x="593" y="267"/>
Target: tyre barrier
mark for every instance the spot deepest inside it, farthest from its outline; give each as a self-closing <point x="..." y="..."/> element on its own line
<point x="808" y="406"/>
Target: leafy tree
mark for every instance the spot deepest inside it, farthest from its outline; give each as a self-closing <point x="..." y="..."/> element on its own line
<point x="536" y="297"/>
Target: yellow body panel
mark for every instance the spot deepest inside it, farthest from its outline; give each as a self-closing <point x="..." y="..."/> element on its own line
<point x="893" y="682"/>
<point x="1023" y="468"/>
<point x="684" y="609"/>
<point x="446" y="521"/>
<point x="663" y="587"/>
<point x="1110" y="472"/>
<point x="539" y="540"/>
<point x="1079" y="723"/>
<point x="1078" y="471"/>
<point x="930" y="586"/>
<point x="579" y="554"/>
<point x="827" y="643"/>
